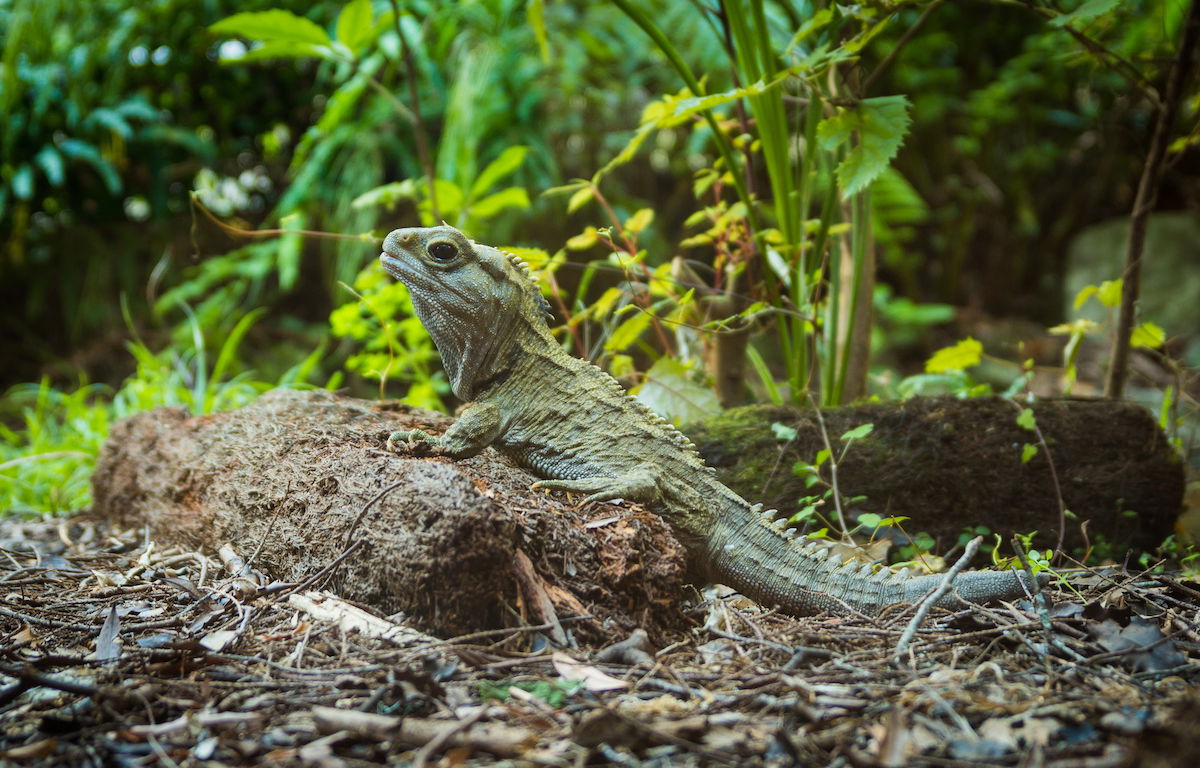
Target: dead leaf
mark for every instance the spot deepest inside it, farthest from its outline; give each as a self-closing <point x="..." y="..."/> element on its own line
<point x="591" y="677"/>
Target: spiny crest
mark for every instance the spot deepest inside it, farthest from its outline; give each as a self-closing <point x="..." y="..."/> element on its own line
<point x="523" y="267"/>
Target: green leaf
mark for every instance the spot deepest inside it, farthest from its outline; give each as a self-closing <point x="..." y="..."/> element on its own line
<point x="1028" y="451"/>
<point x="508" y="161"/>
<point x="639" y="220"/>
<point x="822" y="457"/>
<point x="81" y="150"/>
<point x="869" y="520"/>
<point x="959" y="357"/>
<point x="535" y="13"/>
<point x="783" y="431"/>
<point x="282" y="49"/>
<point x="1088" y="10"/>
<point x="671" y="390"/>
<point x="513" y="197"/>
<point x="22" y="182"/>
<point x="110" y="119"/>
<point x="1085" y="293"/>
<point x="696" y="104"/>
<point x="628" y="331"/>
<point x="386" y="195"/>
<point x="1148" y="335"/>
<point x="273" y="26"/>
<point x="354" y="24"/>
<point x="1109" y="292"/>
<point x="881" y="124"/>
<point x="1025" y="420"/>
<point x="859" y="432"/>
<point x="580" y="199"/>
<point x="288" y="258"/>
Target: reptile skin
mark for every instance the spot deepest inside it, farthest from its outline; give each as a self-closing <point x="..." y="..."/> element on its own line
<point x="573" y="424"/>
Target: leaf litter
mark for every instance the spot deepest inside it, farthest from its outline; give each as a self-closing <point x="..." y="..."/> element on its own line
<point x="116" y="652"/>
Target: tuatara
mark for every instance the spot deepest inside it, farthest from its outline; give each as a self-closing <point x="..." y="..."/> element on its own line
<point x="573" y="424"/>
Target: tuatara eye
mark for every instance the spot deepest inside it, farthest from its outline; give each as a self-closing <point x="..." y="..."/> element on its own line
<point x="442" y="252"/>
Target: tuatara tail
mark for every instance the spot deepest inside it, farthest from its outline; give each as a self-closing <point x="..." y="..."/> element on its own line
<point x="804" y="576"/>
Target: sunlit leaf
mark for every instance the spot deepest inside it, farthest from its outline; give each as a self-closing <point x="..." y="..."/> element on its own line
<point x="958" y="357"/>
<point x="1026" y="420"/>
<point x="1085" y="293"/>
<point x="513" y="197"/>
<point x="273" y="26"/>
<point x="1028" y="451"/>
<point x="354" y="24"/>
<point x="508" y="161"/>
<point x="1109" y="292"/>
<point x="639" y="220"/>
<point x="1148" y="335"/>
<point x="580" y="199"/>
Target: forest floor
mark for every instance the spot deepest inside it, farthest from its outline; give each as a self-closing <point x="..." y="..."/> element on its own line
<point x="114" y="651"/>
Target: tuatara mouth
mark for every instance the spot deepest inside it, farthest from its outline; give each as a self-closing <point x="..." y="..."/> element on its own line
<point x="392" y="264"/>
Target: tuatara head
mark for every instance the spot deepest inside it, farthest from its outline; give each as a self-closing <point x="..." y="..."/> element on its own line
<point x="473" y="299"/>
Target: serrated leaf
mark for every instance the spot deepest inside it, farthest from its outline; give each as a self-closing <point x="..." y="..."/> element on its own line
<point x="513" y="197"/>
<point x="958" y="357"/>
<point x="1026" y="420"/>
<point x="355" y="24"/>
<point x="273" y="25"/>
<point x="581" y="198"/>
<point x="1028" y="451"/>
<point x="1089" y="10"/>
<point x="881" y="124"/>
<point x="1148" y="335"/>
<point x="1109" y="292"/>
<point x="859" y="432"/>
<point x="508" y="161"/>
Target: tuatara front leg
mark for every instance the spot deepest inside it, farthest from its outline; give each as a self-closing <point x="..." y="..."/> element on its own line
<point x="638" y="485"/>
<point x="477" y="427"/>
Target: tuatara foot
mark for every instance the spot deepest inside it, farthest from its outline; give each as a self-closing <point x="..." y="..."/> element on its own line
<point x="638" y="485"/>
<point x="411" y="438"/>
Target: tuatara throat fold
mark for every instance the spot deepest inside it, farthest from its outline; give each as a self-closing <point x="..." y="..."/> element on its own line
<point x="575" y="426"/>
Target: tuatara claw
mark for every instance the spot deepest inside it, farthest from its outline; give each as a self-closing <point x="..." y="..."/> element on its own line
<point x="411" y="437"/>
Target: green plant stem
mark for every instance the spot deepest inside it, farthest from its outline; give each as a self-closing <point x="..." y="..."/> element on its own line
<point x="414" y="95"/>
<point x="642" y="20"/>
<point x="1143" y="204"/>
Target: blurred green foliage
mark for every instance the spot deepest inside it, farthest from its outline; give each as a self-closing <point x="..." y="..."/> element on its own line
<point x="1025" y="123"/>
